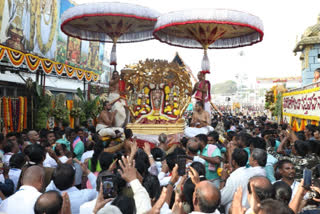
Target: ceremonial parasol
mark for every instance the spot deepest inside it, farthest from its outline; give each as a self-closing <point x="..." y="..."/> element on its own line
<point x="208" y="29"/>
<point x="109" y="22"/>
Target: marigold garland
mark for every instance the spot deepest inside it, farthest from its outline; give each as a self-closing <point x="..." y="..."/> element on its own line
<point x="21" y="113"/>
<point x="2" y="52"/>
<point x="25" y="113"/>
<point x="10" y="114"/>
<point x="69" y="107"/>
<point x="69" y="70"/>
<point x="88" y="75"/>
<point x="47" y="65"/>
<point x="33" y="62"/>
<point x="59" y="68"/>
<point x="16" y="57"/>
<point x="80" y="74"/>
<point x="5" y="120"/>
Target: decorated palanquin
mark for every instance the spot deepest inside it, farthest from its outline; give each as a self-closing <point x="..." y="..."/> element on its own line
<point x="158" y="94"/>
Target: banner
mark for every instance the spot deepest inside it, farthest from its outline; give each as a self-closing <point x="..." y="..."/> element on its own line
<point x="303" y="104"/>
<point x="33" y="27"/>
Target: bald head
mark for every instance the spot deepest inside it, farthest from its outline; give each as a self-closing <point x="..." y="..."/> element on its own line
<point x="49" y="202"/>
<point x="262" y="187"/>
<point x="206" y="197"/>
<point x="33" y="176"/>
<point x="33" y="136"/>
<point x="193" y="146"/>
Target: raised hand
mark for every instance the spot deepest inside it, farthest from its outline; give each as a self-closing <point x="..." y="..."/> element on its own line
<point x="236" y="206"/>
<point x="66" y="206"/>
<point x="127" y="172"/>
<point x="100" y="201"/>
<point x="194" y="175"/>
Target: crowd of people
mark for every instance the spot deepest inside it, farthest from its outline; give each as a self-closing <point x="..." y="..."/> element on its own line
<point x="242" y="165"/>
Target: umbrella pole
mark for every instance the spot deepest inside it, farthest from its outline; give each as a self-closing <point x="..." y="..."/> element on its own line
<point x="113" y="56"/>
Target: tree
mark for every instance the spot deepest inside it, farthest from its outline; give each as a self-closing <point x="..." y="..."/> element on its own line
<point x="227" y="88"/>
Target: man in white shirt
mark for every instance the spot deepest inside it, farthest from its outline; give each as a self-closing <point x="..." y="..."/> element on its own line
<point x="257" y="161"/>
<point x="24" y="199"/>
<point x="63" y="181"/>
<point x="237" y="178"/>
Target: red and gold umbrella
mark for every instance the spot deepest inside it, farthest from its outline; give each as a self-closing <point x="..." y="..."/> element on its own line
<point x="109" y="22"/>
<point x="208" y="29"/>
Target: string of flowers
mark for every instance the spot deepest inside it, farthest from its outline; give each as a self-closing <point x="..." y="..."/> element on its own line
<point x="21" y="113"/>
<point x="13" y="114"/>
<point x="17" y="115"/>
<point x="10" y="114"/>
<point x="25" y="113"/>
<point x="5" y="116"/>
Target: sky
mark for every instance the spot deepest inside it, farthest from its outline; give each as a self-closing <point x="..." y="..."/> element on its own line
<point x="284" y="22"/>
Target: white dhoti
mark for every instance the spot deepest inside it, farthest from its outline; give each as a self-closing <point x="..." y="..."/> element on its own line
<point x="193" y="131"/>
<point x="121" y="115"/>
<point x="207" y="107"/>
<point x="104" y="130"/>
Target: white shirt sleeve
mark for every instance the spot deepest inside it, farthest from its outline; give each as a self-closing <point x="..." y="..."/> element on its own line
<point x="161" y="175"/>
<point x="198" y="159"/>
<point x="141" y="197"/>
<point x="93" y="180"/>
<point x="227" y="192"/>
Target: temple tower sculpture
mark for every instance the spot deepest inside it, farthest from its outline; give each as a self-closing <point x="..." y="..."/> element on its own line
<point x="309" y="46"/>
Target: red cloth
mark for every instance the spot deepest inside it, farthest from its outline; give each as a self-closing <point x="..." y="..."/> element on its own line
<point x="198" y="94"/>
<point x="122" y="85"/>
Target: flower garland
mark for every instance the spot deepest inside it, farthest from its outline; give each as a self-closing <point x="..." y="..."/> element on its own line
<point x="32" y="62"/>
<point x="10" y="114"/>
<point x="5" y="113"/>
<point x="20" y="114"/>
<point x="25" y="113"/>
<point x="17" y="118"/>
<point x="13" y="114"/>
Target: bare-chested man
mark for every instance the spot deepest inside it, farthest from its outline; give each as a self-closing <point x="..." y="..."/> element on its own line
<point x="106" y="121"/>
<point x="117" y="90"/>
<point x="200" y="123"/>
<point x="202" y="93"/>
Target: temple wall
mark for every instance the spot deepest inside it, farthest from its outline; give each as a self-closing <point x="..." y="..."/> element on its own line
<point x="312" y="55"/>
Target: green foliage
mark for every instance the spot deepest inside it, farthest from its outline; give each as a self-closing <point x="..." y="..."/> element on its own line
<point x="60" y="111"/>
<point x="228" y="87"/>
<point x="90" y="108"/>
<point x="269" y="97"/>
<point x="42" y="106"/>
<point x="278" y="105"/>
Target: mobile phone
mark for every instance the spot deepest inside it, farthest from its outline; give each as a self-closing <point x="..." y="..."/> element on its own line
<point x="307" y="178"/>
<point x="108" y="187"/>
<point x="181" y="161"/>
